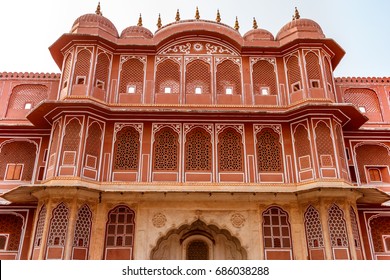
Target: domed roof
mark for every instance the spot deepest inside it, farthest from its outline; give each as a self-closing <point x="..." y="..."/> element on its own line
<point x="305" y="28"/>
<point x="136" y="31"/>
<point x="93" y="21"/>
<point x="258" y="34"/>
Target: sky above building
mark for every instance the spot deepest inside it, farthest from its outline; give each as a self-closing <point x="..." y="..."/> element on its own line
<point x="360" y="27"/>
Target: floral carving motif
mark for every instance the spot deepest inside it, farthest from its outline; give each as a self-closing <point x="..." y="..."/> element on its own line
<point x="185" y="48"/>
<point x="159" y="220"/>
<point x="237" y="220"/>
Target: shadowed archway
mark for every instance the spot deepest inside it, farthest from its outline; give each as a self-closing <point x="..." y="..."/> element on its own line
<point x="221" y="245"/>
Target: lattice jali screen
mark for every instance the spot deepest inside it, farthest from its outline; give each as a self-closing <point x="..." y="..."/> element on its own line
<point x="328" y="72"/>
<point x="66" y="72"/>
<point x="27" y="93"/>
<point x="293" y="71"/>
<point x="18" y="152"/>
<point x="301" y="143"/>
<point x="93" y="144"/>
<point x="269" y="151"/>
<point x="371" y="155"/>
<point x="71" y="140"/>
<point x="127" y="149"/>
<point x="263" y="75"/>
<point x="379" y="226"/>
<point x="197" y="250"/>
<point x="340" y="146"/>
<point x="198" y="74"/>
<point x="168" y="75"/>
<point x="313" y="69"/>
<point x="82" y="230"/>
<point x="313" y="227"/>
<point x="276" y="229"/>
<point x="198" y="150"/>
<point x="166" y="150"/>
<point x="363" y="97"/>
<point x="230" y="151"/>
<point x="12" y="225"/>
<point x="120" y="227"/>
<point x="228" y="75"/>
<point x="132" y="74"/>
<point x="58" y="226"/>
<point x="355" y="228"/>
<point x="40" y="226"/>
<point x="324" y="143"/>
<point x="83" y="65"/>
<point x="337" y="227"/>
<point x="102" y="70"/>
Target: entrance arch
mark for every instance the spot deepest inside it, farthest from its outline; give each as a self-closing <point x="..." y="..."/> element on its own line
<point x="198" y="241"/>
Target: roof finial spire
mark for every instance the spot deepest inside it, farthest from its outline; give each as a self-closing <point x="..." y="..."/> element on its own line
<point x="296" y="14"/>
<point x="236" y="25"/>
<point x="139" y="20"/>
<point x="197" y="16"/>
<point x="218" y="19"/>
<point x="255" y="26"/>
<point x="98" y="12"/>
<point x="159" y="22"/>
<point x="177" y="18"/>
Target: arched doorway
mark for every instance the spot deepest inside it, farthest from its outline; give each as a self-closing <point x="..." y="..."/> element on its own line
<point x="198" y="241"/>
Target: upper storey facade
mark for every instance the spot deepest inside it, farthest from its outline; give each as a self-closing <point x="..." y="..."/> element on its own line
<point x="196" y="62"/>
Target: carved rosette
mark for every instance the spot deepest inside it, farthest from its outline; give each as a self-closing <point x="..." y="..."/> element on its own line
<point x="237" y="220"/>
<point x="159" y="220"/>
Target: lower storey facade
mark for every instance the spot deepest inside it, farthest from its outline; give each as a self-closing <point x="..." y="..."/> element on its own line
<point x="82" y="223"/>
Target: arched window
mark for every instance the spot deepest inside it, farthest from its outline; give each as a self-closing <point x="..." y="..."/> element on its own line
<point x="228" y="78"/>
<point x="17" y="160"/>
<point x="120" y="233"/>
<point x="132" y="77"/>
<point x="127" y="149"/>
<point x="294" y="74"/>
<point x="58" y="226"/>
<point x="264" y="78"/>
<point x="71" y="145"/>
<point x="93" y="147"/>
<point x="230" y="151"/>
<point x="366" y="100"/>
<point x="269" y="151"/>
<point x="198" y="77"/>
<point x="66" y="71"/>
<point x="168" y="77"/>
<point x="102" y="72"/>
<point x="313" y="70"/>
<point x="11" y="227"/>
<point x="82" y="233"/>
<point x="337" y="227"/>
<point x="82" y="67"/>
<point x="166" y="150"/>
<point x="313" y="227"/>
<point x="324" y="143"/>
<point x="198" y="150"/>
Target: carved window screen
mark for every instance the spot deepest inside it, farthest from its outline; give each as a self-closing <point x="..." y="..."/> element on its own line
<point x="198" y="150"/>
<point x="230" y="151"/>
<point x="127" y="149"/>
<point x="228" y="76"/>
<point x="166" y="150"/>
<point x="264" y="76"/>
<point x="269" y="151"/>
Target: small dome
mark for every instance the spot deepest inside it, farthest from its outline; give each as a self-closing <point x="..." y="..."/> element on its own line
<point x="306" y="27"/>
<point x="94" y="21"/>
<point x="136" y="32"/>
<point x="258" y="35"/>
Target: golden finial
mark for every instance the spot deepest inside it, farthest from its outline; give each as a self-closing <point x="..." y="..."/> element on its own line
<point x="177" y="18"/>
<point x="139" y="20"/>
<point x="159" y="22"/>
<point x="98" y="12"/>
<point x="236" y="25"/>
<point x="296" y="14"/>
<point x="255" y="26"/>
<point x="218" y="19"/>
<point x="197" y="16"/>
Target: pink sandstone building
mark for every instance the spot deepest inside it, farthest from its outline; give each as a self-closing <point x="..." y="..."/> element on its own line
<point x="194" y="142"/>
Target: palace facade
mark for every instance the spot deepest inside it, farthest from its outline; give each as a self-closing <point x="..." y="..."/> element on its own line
<point x="195" y="142"/>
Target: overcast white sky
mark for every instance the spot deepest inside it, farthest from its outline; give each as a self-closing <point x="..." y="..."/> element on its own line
<point x="361" y="27"/>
